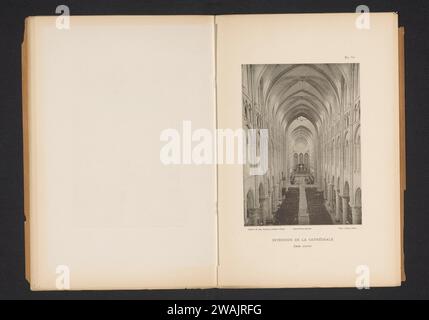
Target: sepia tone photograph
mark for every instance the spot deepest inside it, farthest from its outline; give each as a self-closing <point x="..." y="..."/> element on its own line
<point x="311" y="113"/>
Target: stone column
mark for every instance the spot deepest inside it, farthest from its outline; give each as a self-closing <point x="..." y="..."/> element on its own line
<point x="329" y="195"/>
<point x="357" y="215"/>
<point x="303" y="217"/>
<point x="337" y="206"/>
<point x="345" y="206"/>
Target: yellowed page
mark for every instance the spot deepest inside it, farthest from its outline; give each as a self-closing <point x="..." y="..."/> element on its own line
<point x="106" y="213"/>
<point x="308" y="55"/>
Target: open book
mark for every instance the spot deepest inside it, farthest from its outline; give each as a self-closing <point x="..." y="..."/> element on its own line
<point x="213" y="151"/>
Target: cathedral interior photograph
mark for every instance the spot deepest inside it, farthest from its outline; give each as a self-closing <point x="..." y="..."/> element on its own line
<point x="312" y="114"/>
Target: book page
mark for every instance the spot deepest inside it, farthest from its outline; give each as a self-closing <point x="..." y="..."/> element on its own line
<point x="105" y="209"/>
<point x="316" y="200"/>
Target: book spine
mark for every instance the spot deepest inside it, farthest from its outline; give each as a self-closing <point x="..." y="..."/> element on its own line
<point x="25" y="134"/>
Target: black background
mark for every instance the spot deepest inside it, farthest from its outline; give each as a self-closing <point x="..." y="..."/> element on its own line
<point x="413" y="14"/>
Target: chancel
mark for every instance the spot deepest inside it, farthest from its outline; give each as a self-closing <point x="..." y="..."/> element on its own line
<point x="312" y="113"/>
